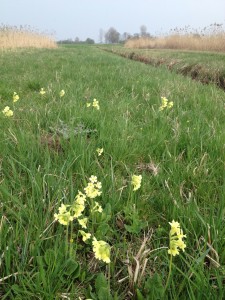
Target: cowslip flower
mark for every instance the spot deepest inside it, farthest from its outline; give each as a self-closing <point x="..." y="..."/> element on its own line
<point x="95" y="104"/>
<point x="101" y="250"/>
<point x="136" y="182"/>
<point x="83" y="222"/>
<point x="64" y="216"/>
<point x="97" y="207"/>
<point x="93" y="189"/>
<point x="61" y="93"/>
<point x="165" y="103"/>
<point x="170" y="104"/>
<point x="15" y="97"/>
<point x="176" y="239"/>
<point x="85" y="235"/>
<point x="78" y="206"/>
<point x="88" y="104"/>
<point x="175" y="227"/>
<point x="7" y="112"/>
<point x="42" y="91"/>
<point x="99" y="151"/>
<point x="93" y="179"/>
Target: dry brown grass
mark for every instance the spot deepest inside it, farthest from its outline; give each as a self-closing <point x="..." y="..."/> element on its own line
<point x="13" y="37"/>
<point x="211" y="38"/>
<point x="185" y="42"/>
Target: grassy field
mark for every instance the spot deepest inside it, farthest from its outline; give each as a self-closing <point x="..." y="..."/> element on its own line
<point x="206" y="67"/>
<point x="48" y="153"/>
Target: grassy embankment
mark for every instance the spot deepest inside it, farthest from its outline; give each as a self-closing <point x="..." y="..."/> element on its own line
<point x="48" y="152"/>
<point x="206" y="67"/>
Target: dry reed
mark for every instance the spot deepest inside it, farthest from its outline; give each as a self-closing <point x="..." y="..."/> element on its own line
<point x="211" y="38"/>
<point x="13" y="37"/>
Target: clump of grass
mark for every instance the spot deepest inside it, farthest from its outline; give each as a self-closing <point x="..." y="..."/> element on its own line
<point x="209" y="39"/>
<point x="14" y="37"/>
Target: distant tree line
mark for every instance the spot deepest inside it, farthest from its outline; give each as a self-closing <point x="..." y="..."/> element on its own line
<point x="111" y="36"/>
<point x="76" y="41"/>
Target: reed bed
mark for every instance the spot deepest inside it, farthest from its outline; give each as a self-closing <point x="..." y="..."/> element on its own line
<point x="211" y="38"/>
<point x="13" y="37"/>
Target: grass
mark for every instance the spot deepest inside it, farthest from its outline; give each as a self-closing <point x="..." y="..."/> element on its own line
<point x="206" y="67"/>
<point x="48" y="152"/>
<point x="14" y="37"/>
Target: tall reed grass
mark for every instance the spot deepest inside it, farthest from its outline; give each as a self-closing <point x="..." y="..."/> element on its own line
<point x="14" y="37"/>
<point x="209" y="39"/>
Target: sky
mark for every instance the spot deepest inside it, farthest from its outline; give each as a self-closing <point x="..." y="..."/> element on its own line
<point x="68" y="19"/>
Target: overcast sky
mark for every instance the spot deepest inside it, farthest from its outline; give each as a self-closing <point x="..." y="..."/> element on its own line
<point x="84" y="18"/>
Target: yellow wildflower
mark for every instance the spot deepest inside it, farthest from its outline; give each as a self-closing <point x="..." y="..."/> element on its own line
<point x="95" y="104"/>
<point x="61" y="93"/>
<point x="173" y="249"/>
<point x="176" y="239"/>
<point x="165" y="103"/>
<point x="175" y="227"/>
<point x="136" y="182"/>
<point x="97" y="207"/>
<point x="170" y="104"/>
<point x="15" y="97"/>
<point x="7" y="111"/>
<point x="88" y="104"/>
<point x="93" y="179"/>
<point x="64" y="216"/>
<point x="80" y="196"/>
<point x="83" y="222"/>
<point x="92" y="190"/>
<point x="42" y="91"/>
<point x="101" y="250"/>
<point x="99" y="151"/>
<point x="85" y="236"/>
<point x="78" y="207"/>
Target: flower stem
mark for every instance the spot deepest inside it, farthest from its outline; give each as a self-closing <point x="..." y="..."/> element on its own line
<point x="67" y="236"/>
<point x="170" y="269"/>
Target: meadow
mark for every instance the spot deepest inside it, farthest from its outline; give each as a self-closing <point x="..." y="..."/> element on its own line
<point x="111" y="179"/>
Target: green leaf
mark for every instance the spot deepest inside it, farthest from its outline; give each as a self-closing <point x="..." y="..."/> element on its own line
<point x="50" y="257"/>
<point x="154" y="287"/>
<point x="102" y="288"/>
<point x="135" y="227"/>
<point x="71" y="267"/>
<point x="139" y="295"/>
<point x="100" y="282"/>
<point x="102" y="230"/>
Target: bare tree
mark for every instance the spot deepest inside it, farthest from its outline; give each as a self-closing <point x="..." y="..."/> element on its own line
<point x="143" y="30"/>
<point x="101" y="35"/>
<point x="112" y="36"/>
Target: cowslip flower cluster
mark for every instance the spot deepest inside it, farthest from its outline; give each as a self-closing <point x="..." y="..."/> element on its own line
<point x="93" y="189"/>
<point x="15" y="97"/>
<point x="94" y="104"/>
<point x="64" y="215"/>
<point x="7" y="112"/>
<point x="42" y="91"/>
<point x="61" y="93"/>
<point x="176" y="239"/>
<point x="101" y="250"/>
<point x="165" y="103"/>
<point x="68" y="213"/>
<point x="99" y="151"/>
<point x="136" y="182"/>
